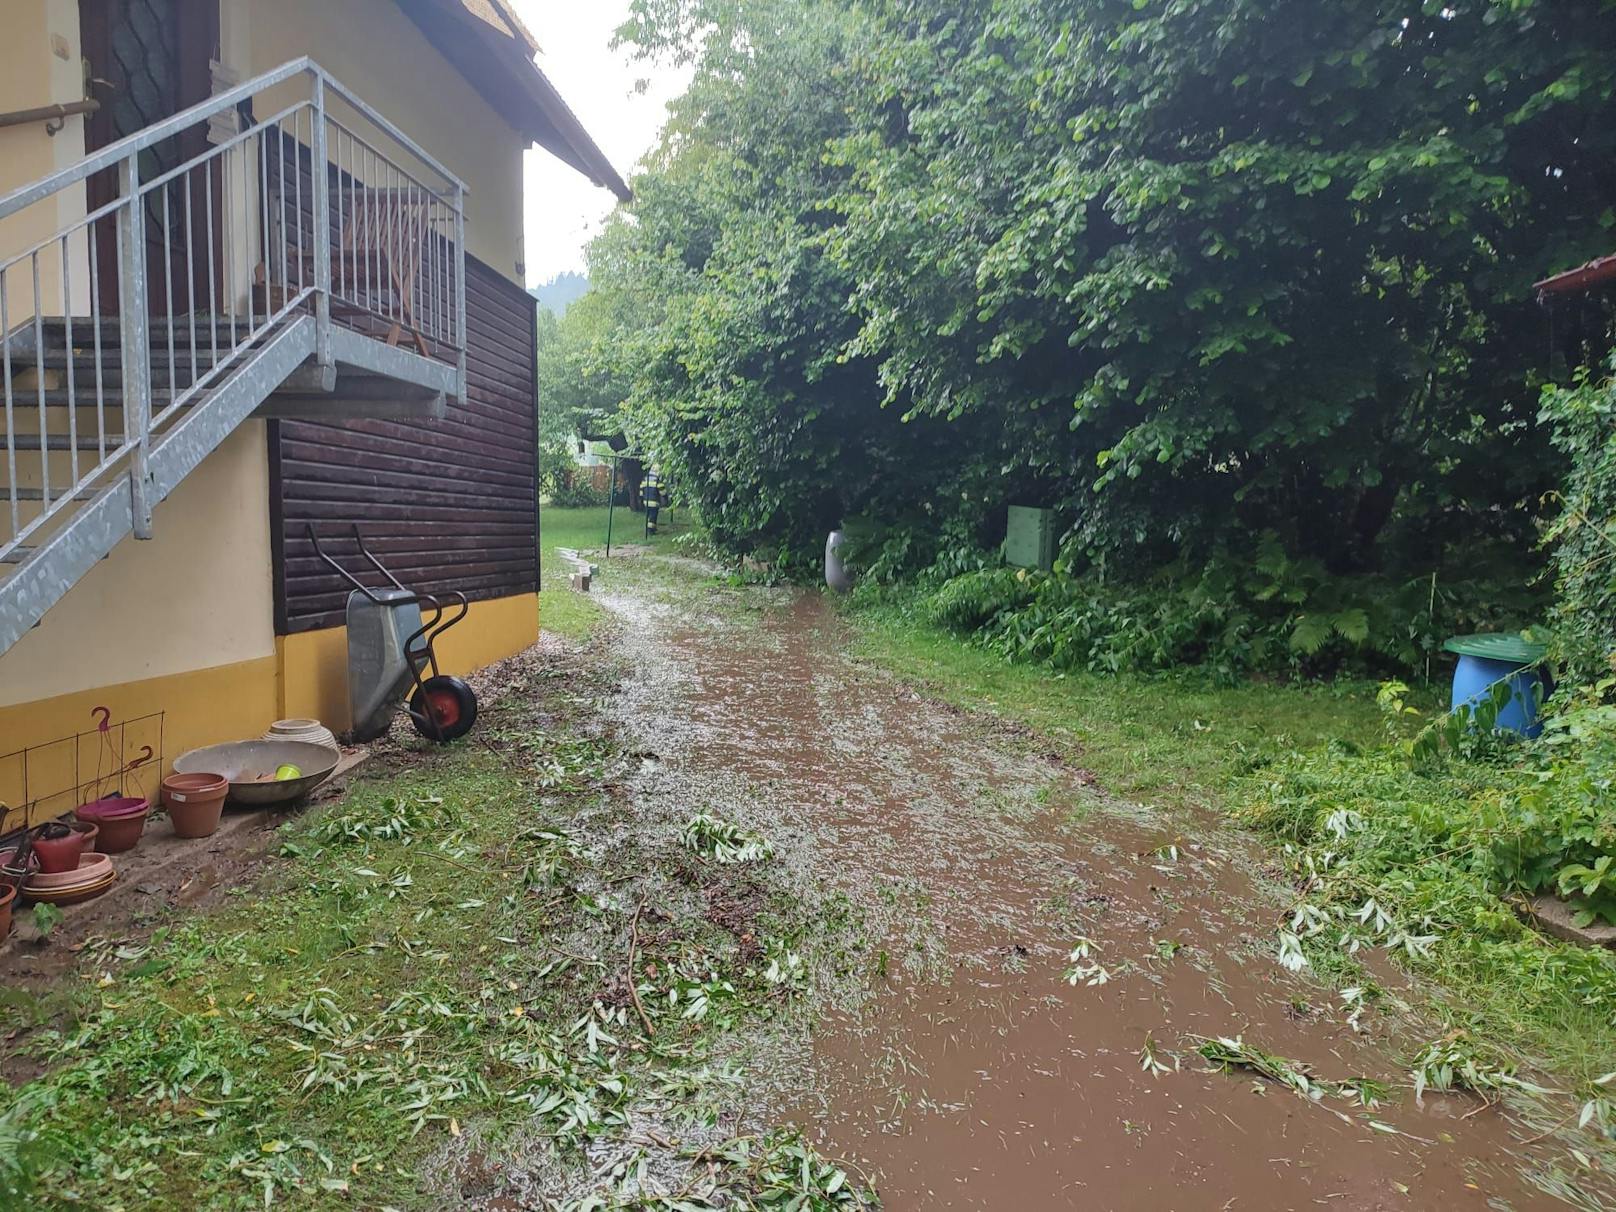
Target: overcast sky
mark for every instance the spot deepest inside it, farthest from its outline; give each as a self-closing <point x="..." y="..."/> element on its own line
<point x="563" y="208"/>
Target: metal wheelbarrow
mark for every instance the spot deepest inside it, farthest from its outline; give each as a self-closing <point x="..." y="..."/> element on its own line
<point x="391" y="651"/>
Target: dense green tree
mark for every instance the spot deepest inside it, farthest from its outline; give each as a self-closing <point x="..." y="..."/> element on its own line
<point x="1193" y="270"/>
<point x="1276" y="255"/>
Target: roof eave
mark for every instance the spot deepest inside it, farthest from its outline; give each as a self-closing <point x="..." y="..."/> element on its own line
<point x="502" y="69"/>
<point x="1582" y="278"/>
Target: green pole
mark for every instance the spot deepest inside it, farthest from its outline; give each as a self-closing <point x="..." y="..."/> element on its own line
<point x="611" y="504"/>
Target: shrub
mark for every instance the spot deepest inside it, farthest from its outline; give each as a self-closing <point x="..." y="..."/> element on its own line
<point x="1394" y="851"/>
<point x="1267" y="614"/>
<point x="576" y="490"/>
<point x="1582" y="425"/>
<point x="976" y="599"/>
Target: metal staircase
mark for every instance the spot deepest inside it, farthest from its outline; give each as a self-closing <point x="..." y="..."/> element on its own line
<point x="308" y="263"/>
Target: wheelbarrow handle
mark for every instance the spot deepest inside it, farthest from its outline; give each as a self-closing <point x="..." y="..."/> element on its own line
<point x="314" y="538"/>
<point x="359" y="540"/>
<point x="465" y="608"/>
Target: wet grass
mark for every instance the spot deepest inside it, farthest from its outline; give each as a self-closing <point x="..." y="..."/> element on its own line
<point x="1174" y="742"/>
<point x="476" y="963"/>
<point x="575" y="615"/>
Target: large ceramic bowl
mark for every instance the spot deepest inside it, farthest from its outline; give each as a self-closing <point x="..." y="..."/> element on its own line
<point x="246" y="763"/>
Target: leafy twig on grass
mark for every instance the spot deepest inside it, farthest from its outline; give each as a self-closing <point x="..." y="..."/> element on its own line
<point x="1455" y="1062"/>
<point x="723" y="841"/>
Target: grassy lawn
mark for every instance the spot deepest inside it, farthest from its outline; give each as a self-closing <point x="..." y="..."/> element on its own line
<point x="1174" y="741"/>
<point x="432" y="979"/>
<point x="574" y="615"/>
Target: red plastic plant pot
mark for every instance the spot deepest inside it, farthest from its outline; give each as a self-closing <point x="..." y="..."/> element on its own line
<point x="59" y="853"/>
<point x="121" y="831"/>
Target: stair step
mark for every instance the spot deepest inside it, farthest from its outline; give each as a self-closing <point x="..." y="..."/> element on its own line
<point x="17" y="554"/>
<point x="38" y="494"/>
<point x="25" y="386"/>
<point x="26" y="403"/>
<point x="54" y="330"/>
<point x="26" y="414"/>
<point x="83" y="397"/>
<point x="62" y="441"/>
<point x="84" y="359"/>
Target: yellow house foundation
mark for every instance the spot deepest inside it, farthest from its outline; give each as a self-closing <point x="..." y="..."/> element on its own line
<point x="52" y="749"/>
<point x="312" y="673"/>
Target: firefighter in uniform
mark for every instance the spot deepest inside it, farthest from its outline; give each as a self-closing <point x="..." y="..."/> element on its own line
<point x="651" y="492"/>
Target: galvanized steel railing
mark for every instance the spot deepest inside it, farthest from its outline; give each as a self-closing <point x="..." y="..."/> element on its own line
<point x="335" y="214"/>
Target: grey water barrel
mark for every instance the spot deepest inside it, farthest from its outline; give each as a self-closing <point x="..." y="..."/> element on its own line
<point x="836" y="575"/>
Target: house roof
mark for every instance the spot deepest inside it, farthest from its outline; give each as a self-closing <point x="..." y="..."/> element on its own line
<point x="1584" y="277"/>
<point x="488" y="44"/>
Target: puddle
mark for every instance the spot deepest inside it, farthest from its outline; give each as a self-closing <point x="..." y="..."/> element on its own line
<point x="966" y="1072"/>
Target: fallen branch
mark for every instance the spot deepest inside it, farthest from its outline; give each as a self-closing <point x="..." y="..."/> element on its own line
<point x="453" y="862"/>
<point x="633" y="984"/>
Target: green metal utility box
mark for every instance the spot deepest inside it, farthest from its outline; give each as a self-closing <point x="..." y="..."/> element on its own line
<point x="1029" y="537"/>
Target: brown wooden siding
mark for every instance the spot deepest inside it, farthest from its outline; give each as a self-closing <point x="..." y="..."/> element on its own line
<point x="447" y="505"/>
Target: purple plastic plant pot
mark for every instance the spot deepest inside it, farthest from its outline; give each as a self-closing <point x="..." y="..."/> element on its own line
<point x="112" y="808"/>
<point x="122" y="820"/>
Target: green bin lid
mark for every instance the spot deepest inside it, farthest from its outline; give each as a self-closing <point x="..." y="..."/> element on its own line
<point x="1498" y="646"/>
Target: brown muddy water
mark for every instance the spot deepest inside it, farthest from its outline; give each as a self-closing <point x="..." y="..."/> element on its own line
<point x="966" y="1072"/>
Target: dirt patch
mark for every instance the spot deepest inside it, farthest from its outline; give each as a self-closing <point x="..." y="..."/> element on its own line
<point x="736" y="908"/>
<point x="1043" y="974"/>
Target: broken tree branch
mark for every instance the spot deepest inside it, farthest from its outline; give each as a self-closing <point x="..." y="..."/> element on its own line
<point x="633" y="983"/>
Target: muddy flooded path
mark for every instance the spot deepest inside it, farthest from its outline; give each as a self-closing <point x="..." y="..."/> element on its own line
<point x="964" y="1068"/>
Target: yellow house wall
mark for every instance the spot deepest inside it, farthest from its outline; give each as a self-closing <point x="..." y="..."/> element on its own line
<point x="314" y="663"/>
<point x="375" y="50"/>
<point x="196" y="595"/>
<point x="40" y="65"/>
<point x="304" y="677"/>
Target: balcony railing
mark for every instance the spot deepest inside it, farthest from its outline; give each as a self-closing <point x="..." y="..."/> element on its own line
<point x="202" y="235"/>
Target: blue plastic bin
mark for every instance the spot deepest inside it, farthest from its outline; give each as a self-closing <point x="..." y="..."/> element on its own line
<point x="1485" y="661"/>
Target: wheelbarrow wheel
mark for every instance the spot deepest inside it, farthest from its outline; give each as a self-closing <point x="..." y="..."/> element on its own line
<point x="450" y="702"/>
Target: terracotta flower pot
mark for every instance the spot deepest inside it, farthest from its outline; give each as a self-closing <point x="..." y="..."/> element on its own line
<point x="195" y="802"/>
<point x="59" y="853"/>
<point x="121" y="819"/>
<point x="8" y="894"/>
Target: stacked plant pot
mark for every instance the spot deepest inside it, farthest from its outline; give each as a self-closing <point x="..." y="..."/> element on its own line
<point x="89" y="877"/>
<point x="121" y="820"/>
